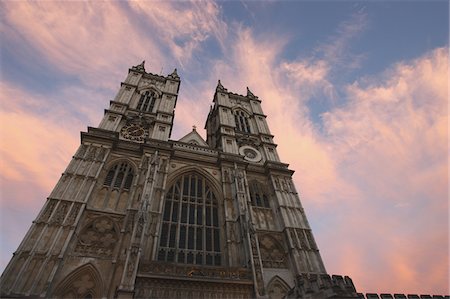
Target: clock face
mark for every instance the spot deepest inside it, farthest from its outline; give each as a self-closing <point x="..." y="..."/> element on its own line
<point x="250" y="153"/>
<point x="133" y="132"/>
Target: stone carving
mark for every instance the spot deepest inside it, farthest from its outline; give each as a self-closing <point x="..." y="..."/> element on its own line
<point x="101" y="154"/>
<point x="92" y="152"/>
<point x="98" y="238"/>
<point x="179" y="289"/>
<point x="58" y="217"/>
<point x="48" y="210"/>
<point x="73" y="214"/>
<point x="272" y="253"/>
<point x="310" y="239"/>
<point x="84" y="282"/>
<point x="302" y="238"/>
<point x="130" y="221"/>
<point x="190" y="271"/>
<point x="256" y="263"/>
<point x="81" y="151"/>
<point x="277" y="288"/>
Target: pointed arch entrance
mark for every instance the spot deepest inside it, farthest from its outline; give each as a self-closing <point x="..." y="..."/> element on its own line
<point x="84" y="282"/>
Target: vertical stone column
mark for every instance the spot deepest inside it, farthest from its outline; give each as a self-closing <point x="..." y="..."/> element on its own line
<point x="248" y="231"/>
<point x="126" y="288"/>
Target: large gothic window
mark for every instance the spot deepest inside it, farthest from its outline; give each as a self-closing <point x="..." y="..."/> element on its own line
<point x="190" y="230"/>
<point x="258" y="195"/>
<point x="241" y="120"/>
<point x="147" y="101"/>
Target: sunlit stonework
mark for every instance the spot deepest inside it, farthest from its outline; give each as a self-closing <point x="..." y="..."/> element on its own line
<point x="137" y="215"/>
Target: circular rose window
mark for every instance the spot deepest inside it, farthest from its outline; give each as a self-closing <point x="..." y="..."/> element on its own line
<point x="250" y="153"/>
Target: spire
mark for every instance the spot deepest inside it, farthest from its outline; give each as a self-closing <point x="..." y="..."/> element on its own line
<point x="174" y="75"/>
<point x="250" y="93"/>
<point x="139" y="67"/>
<point x="220" y="87"/>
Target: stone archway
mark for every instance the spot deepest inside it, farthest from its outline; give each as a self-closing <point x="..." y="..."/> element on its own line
<point x="84" y="282"/>
<point x="277" y="288"/>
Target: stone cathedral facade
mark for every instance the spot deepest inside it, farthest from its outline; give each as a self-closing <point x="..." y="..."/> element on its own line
<point x="137" y="215"/>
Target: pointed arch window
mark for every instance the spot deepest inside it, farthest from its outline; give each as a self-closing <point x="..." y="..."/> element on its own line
<point x="147" y="101"/>
<point x="241" y="120"/>
<point x="120" y="176"/>
<point x="115" y="191"/>
<point x="190" y="231"/>
<point x="258" y="195"/>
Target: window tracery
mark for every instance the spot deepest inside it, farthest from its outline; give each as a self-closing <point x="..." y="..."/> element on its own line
<point x="147" y="101"/>
<point x="258" y="195"/>
<point x="241" y="120"/>
<point x="190" y="230"/>
<point x="115" y="190"/>
<point x="119" y="176"/>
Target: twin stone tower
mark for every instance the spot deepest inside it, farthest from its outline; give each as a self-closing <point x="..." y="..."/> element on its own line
<point x="137" y="215"/>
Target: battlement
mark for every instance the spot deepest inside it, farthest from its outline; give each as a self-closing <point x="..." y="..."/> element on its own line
<point x="323" y="286"/>
<point x="400" y="296"/>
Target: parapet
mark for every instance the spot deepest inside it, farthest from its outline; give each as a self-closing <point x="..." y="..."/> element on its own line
<point x="324" y="286"/>
<point x="400" y="296"/>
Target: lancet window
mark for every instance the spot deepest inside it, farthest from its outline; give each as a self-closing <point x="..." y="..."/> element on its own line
<point x="120" y="176"/>
<point x="258" y="195"/>
<point x="241" y="120"/>
<point x="115" y="191"/>
<point x="147" y="101"/>
<point x="190" y="230"/>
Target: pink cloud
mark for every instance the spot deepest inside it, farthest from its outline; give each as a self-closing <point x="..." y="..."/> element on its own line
<point x="373" y="181"/>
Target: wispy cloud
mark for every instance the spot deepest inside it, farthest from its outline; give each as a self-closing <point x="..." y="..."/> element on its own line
<point x="373" y="178"/>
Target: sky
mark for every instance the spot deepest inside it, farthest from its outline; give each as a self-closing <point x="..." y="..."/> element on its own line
<point x="356" y="95"/>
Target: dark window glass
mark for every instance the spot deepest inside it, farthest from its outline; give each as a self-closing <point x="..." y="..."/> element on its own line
<point x="199" y="238"/>
<point x="170" y="256"/>
<point x="184" y="208"/>
<point x="147" y="102"/>
<point x="199" y="258"/>
<point x="191" y="214"/>
<point x="208" y="239"/>
<point x="190" y="227"/>
<point x="110" y="176"/>
<point x="128" y="181"/>
<point x="175" y="212"/>
<point x="182" y="239"/>
<point x="152" y="104"/>
<point x="181" y="257"/>
<point x="186" y="186"/>
<point x="215" y="218"/>
<point x="173" y="233"/>
<point x="191" y="238"/>
<point x="190" y="258"/>
<point x="209" y="259"/>
<point x="216" y="240"/>
<point x="161" y="255"/>
<point x="167" y="207"/>
<point x="258" y="195"/>
<point x="164" y="233"/>
<point x="208" y="216"/>
<point x="217" y="260"/>
<point x="199" y="214"/>
<point x="266" y="201"/>
<point x="119" y="179"/>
